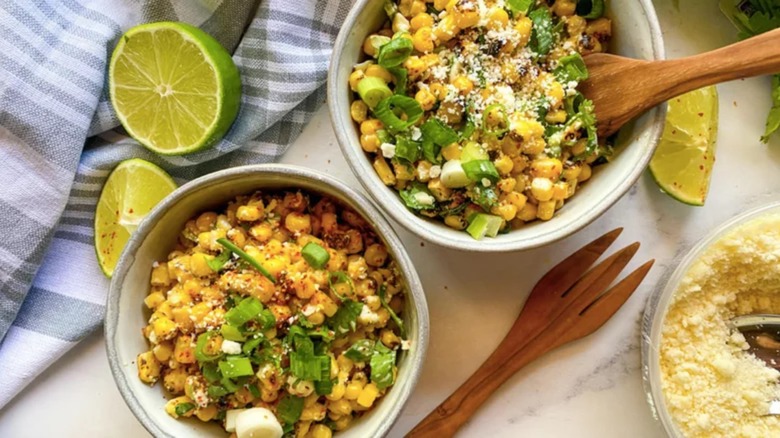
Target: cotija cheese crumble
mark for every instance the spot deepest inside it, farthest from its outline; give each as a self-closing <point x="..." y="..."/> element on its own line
<point x="712" y="385"/>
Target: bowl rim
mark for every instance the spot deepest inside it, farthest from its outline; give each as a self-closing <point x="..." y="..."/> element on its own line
<point x="657" y="306"/>
<point x="369" y="211"/>
<point x="436" y="232"/>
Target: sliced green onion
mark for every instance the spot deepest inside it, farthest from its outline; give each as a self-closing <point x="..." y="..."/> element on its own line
<point x="590" y="9"/>
<point x="211" y="372"/>
<point x="386" y="305"/>
<point x="520" y="6"/>
<point x="473" y="151"/>
<point x="315" y="255"/>
<point x="431" y="151"/>
<point x="216" y="391"/>
<point x="251" y="344"/>
<point x="308" y="366"/>
<point x="385" y="111"/>
<point x="228" y="385"/>
<point x="401" y="79"/>
<point x="217" y="263"/>
<point x="503" y="125"/>
<point x="373" y="90"/>
<point x="200" y="346"/>
<point x="231" y="332"/>
<point x="323" y="387"/>
<point x="484" y="225"/>
<point x="385" y="137"/>
<point x="235" y="366"/>
<point x="477" y="170"/>
<point x="290" y="408"/>
<point x="249" y="259"/>
<point x="467" y="131"/>
<point x="255" y="391"/>
<point x="361" y="350"/>
<point x="183" y="408"/>
<point x="439" y="132"/>
<point x="395" y="52"/>
<point x="244" y="311"/>
<point x="571" y="68"/>
<point x="407" y="150"/>
<point x="377" y="41"/>
<point x="267" y="319"/>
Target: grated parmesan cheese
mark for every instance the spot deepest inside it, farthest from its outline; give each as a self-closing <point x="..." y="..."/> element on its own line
<point x="713" y="387"/>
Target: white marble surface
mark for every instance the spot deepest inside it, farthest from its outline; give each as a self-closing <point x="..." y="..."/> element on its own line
<point x="591" y="388"/>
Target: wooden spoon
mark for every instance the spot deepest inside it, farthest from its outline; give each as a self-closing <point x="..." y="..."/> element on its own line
<point x="623" y="88"/>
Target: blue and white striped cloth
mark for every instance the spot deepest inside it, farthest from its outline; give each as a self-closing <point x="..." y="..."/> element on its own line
<point x="57" y="143"/>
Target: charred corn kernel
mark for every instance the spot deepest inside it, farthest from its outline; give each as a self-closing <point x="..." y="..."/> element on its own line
<point x="337" y="393"/>
<point x="584" y="173"/>
<point x="389" y="338"/>
<point x="527" y="128"/>
<point x="534" y="146"/>
<point x="446" y="29"/>
<point x="358" y="111"/>
<point x="576" y="25"/>
<point x="369" y="142"/>
<point x="414" y="66"/>
<point x="320" y="431"/>
<point x="466" y="18"/>
<point x="160" y="275"/>
<point x="262" y="233"/>
<point x="154" y="299"/>
<point x="556" y="94"/>
<point x="498" y="18"/>
<point x="440" y="4"/>
<point x="368" y="395"/>
<point x="517" y="199"/>
<point x="463" y="84"/>
<point x="206" y="221"/>
<point x="163" y="310"/>
<point x="184" y="350"/>
<point x="342" y="423"/>
<point x="405" y="7"/>
<point x="579" y="148"/>
<point x="528" y="212"/>
<point x="181" y="316"/>
<point x="557" y="116"/>
<point x="341" y="406"/>
<point x="148" y="367"/>
<point x="199" y="264"/>
<point x="564" y="8"/>
<point x="316" y="318"/>
<point x="550" y="168"/>
<point x="507" y="185"/>
<point x="164" y="328"/>
<point x="505" y="210"/>
<point x="170" y="407"/>
<point x="560" y="190"/>
<point x="174" y="381"/>
<point x="353" y="390"/>
<point x="275" y="265"/>
<point x="383" y="170"/>
<point x="206" y="414"/>
<point x="456" y="222"/>
<point x="504" y="164"/>
<point x="450" y="112"/>
<point x="592" y="157"/>
<point x="417" y="8"/>
<point x="199" y="311"/>
<point x="298" y="223"/>
<point x="376" y="255"/>
<point x="426" y="99"/>
<point x="541" y="189"/>
<point x="163" y="351"/>
<point x="451" y="152"/>
<point x="545" y="210"/>
<point x="370" y="126"/>
<point x="355" y="77"/>
<point x="439" y="190"/>
<point x="439" y="90"/>
<point x="571" y="173"/>
<point x="600" y="28"/>
<point x="379" y="72"/>
<point x="421" y="20"/>
<point x="523" y="28"/>
<point x="372" y="43"/>
<point x="423" y="39"/>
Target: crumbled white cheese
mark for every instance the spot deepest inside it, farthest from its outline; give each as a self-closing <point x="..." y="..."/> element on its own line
<point x="231" y="347"/>
<point x="416" y="132"/>
<point x="435" y="171"/>
<point x="388" y="150"/>
<point x="485" y="182"/>
<point x="406" y="344"/>
<point x="424" y="198"/>
<point x="368" y="316"/>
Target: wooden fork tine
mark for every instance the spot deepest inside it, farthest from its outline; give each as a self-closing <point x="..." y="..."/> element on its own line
<point x="563" y="276"/>
<point x="602" y="275"/>
<point x="610" y="301"/>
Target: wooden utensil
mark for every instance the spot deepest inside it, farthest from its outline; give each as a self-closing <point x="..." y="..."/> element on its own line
<point x="565" y="305"/>
<point x="623" y="88"/>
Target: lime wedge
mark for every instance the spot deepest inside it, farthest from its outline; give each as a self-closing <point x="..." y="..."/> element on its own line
<point x="174" y="88"/>
<point x="132" y="189"/>
<point x="682" y="164"/>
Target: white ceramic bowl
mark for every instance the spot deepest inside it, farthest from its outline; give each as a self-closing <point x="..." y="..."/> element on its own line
<point x="636" y="34"/>
<point x="657" y="307"/>
<point x="126" y="315"/>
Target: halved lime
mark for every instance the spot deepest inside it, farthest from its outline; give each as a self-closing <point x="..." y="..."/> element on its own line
<point x="132" y="189"/>
<point x="682" y="164"/>
<point x="174" y="88"/>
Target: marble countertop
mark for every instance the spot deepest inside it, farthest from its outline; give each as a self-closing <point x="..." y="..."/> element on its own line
<point x="590" y="388"/>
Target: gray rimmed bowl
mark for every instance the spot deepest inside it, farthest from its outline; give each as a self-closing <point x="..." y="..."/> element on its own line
<point x="157" y="234"/>
<point x="636" y="34"/>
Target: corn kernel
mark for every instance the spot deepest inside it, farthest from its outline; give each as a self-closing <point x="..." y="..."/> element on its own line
<point x="154" y="299"/>
<point x="585" y="173"/>
<point x="498" y="19"/>
<point x="379" y="72"/>
<point x="421" y="20"/>
<point x="358" y="111"/>
<point x="545" y="210"/>
<point x="463" y="84"/>
<point x="354" y="78"/>
<point x="423" y="39"/>
<point x="160" y="275"/>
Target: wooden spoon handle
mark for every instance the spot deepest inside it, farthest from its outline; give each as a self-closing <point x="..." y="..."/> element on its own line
<point x="755" y="56"/>
<point x="451" y="414"/>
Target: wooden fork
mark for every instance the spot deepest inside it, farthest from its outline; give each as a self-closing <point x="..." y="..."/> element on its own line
<point x="565" y="305"/>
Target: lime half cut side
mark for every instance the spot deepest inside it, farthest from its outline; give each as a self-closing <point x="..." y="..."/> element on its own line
<point x="132" y="189"/>
<point x="175" y="88"/>
<point x="682" y="163"/>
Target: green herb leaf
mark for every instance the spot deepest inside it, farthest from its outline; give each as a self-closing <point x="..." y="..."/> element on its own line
<point x="315" y="255"/>
<point x="431" y="151"/>
<point x="401" y="79"/>
<point x="345" y="319"/>
<point x="217" y="263"/>
<point x="477" y="170"/>
<point x="290" y="408"/>
<point x="542" y="37"/>
<point x="571" y="68"/>
<point x="382" y="366"/>
<point x="393" y="315"/>
<point x="773" y="120"/>
<point x="485" y="197"/>
<point x="183" y="408"/>
<point x="386" y="111"/>
<point x="211" y="372"/>
<point x="340" y="277"/>
<point x="395" y="52"/>
<point x="361" y="350"/>
<point x="520" y="6"/>
<point x="415" y="196"/>
<point x="249" y="259"/>
<point x="232" y="333"/>
<point x="407" y="150"/>
<point x="438" y="132"/>
<point x="216" y="391"/>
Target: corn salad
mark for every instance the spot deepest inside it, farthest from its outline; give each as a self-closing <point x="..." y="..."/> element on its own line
<point x="285" y="301"/>
<point x="470" y="108"/>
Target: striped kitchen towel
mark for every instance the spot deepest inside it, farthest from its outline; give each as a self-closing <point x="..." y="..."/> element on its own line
<point x="57" y="145"/>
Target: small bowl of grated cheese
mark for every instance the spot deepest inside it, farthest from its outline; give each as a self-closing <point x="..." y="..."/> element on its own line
<point x="700" y="379"/>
